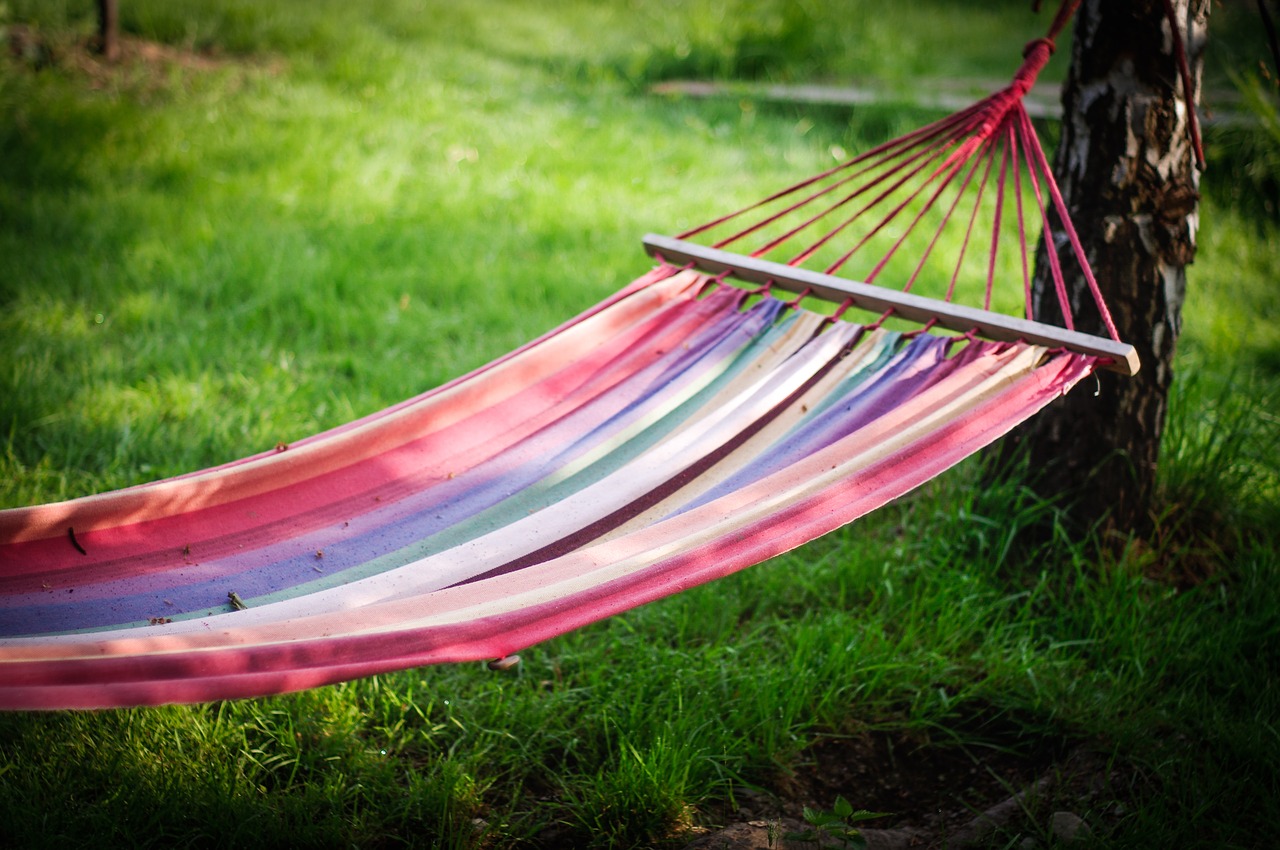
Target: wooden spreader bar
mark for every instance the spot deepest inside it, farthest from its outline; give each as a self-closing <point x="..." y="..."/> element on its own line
<point x="956" y="317"/>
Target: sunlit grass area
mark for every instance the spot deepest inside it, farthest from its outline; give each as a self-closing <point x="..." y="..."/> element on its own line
<point x="273" y="218"/>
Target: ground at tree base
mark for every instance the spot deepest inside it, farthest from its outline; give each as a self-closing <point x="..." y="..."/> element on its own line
<point x="934" y="796"/>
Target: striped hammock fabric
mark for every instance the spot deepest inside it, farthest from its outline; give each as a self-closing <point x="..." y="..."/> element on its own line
<point x="675" y="433"/>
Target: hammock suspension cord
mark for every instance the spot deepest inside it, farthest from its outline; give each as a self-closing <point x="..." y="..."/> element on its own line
<point x="955" y="178"/>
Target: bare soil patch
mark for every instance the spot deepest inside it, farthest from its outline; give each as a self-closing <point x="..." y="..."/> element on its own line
<point x="934" y="796"/>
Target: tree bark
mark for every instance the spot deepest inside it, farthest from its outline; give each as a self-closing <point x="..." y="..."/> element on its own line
<point x="1127" y="170"/>
<point x="109" y="29"/>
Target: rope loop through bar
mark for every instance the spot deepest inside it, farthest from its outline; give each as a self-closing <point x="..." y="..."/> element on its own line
<point x="794" y="303"/>
<point x="840" y="310"/>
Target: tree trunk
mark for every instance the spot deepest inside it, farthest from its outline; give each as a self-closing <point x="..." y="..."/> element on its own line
<point x="109" y="29"/>
<point x="1127" y="170"/>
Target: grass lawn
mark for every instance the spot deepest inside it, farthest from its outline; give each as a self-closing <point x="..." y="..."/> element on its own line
<point x="273" y="218"/>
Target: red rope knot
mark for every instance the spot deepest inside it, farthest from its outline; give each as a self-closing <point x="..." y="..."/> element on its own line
<point x="1037" y="42"/>
<point x="993" y="115"/>
<point x="1035" y="56"/>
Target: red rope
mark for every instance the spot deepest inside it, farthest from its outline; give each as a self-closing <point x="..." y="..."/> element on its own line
<point x="902" y="142"/>
<point x="901" y="240"/>
<point x="1065" y="12"/>
<point x="1188" y="93"/>
<point x="945" y="171"/>
<point x="1022" y="226"/>
<point x="973" y="216"/>
<point x="1061" y="206"/>
<point x="1055" y="264"/>
<point x="879" y="198"/>
<point x="995" y="227"/>
<point x="946" y="217"/>
<point x="926" y="155"/>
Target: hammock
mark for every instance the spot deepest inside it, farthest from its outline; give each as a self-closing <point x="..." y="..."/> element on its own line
<point x="687" y="427"/>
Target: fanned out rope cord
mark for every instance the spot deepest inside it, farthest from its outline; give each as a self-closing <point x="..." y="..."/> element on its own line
<point x="885" y="149"/>
<point x="884" y="213"/>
